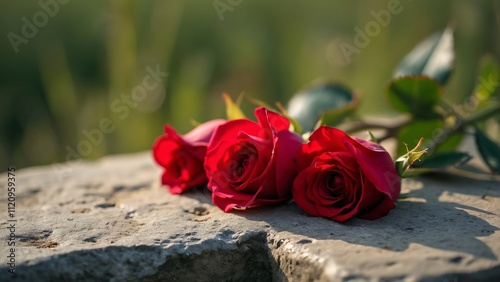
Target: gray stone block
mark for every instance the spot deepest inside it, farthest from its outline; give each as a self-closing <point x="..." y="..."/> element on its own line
<point x="111" y="220"/>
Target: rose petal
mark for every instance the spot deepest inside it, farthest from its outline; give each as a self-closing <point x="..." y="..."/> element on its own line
<point x="163" y="149"/>
<point x="232" y="128"/>
<point x="286" y="148"/>
<point x="300" y="187"/>
<point x="200" y="135"/>
<point x="364" y="180"/>
<point x="377" y="166"/>
<point x="271" y="122"/>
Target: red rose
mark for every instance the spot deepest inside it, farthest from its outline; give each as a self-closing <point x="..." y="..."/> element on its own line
<point x="182" y="156"/>
<point x="251" y="164"/>
<point x="342" y="176"/>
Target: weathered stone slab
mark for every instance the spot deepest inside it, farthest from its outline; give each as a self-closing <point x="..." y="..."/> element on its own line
<point x="111" y="220"/>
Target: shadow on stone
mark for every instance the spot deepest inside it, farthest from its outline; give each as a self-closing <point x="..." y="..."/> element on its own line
<point x="201" y="194"/>
<point x="426" y="220"/>
<point x="431" y="218"/>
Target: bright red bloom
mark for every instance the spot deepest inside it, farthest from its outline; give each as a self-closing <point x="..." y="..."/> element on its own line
<point x="251" y="163"/>
<point x="182" y="156"/>
<point x="342" y="176"/>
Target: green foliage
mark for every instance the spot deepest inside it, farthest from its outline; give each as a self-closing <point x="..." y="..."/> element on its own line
<point x="443" y="160"/>
<point x="66" y="79"/>
<point x="334" y="117"/>
<point x="414" y="163"/>
<point x="434" y="131"/>
<point x="415" y="94"/>
<point x="433" y="58"/>
<point x="417" y="89"/>
<point x="328" y="102"/>
<point x="487" y="81"/>
<point x="489" y="150"/>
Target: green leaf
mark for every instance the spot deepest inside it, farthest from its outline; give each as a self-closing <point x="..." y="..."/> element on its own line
<point x="433" y="57"/>
<point x="336" y="116"/>
<point x="435" y="133"/>
<point x="309" y="105"/>
<point x="442" y="160"/>
<point x="488" y="80"/>
<point x="372" y="137"/>
<point x="233" y="110"/>
<point x="489" y="150"/>
<point x="415" y="94"/>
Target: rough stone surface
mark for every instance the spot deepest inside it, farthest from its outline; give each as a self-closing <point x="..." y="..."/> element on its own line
<point x="110" y="220"/>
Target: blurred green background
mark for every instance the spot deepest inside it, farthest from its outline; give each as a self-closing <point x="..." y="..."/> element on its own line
<point x="65" y="79"/>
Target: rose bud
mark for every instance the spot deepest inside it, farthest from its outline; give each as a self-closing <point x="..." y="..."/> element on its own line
<point x="182" y="156"/>
<point x="342" y="176"/>
<point x="249" y="163"/>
